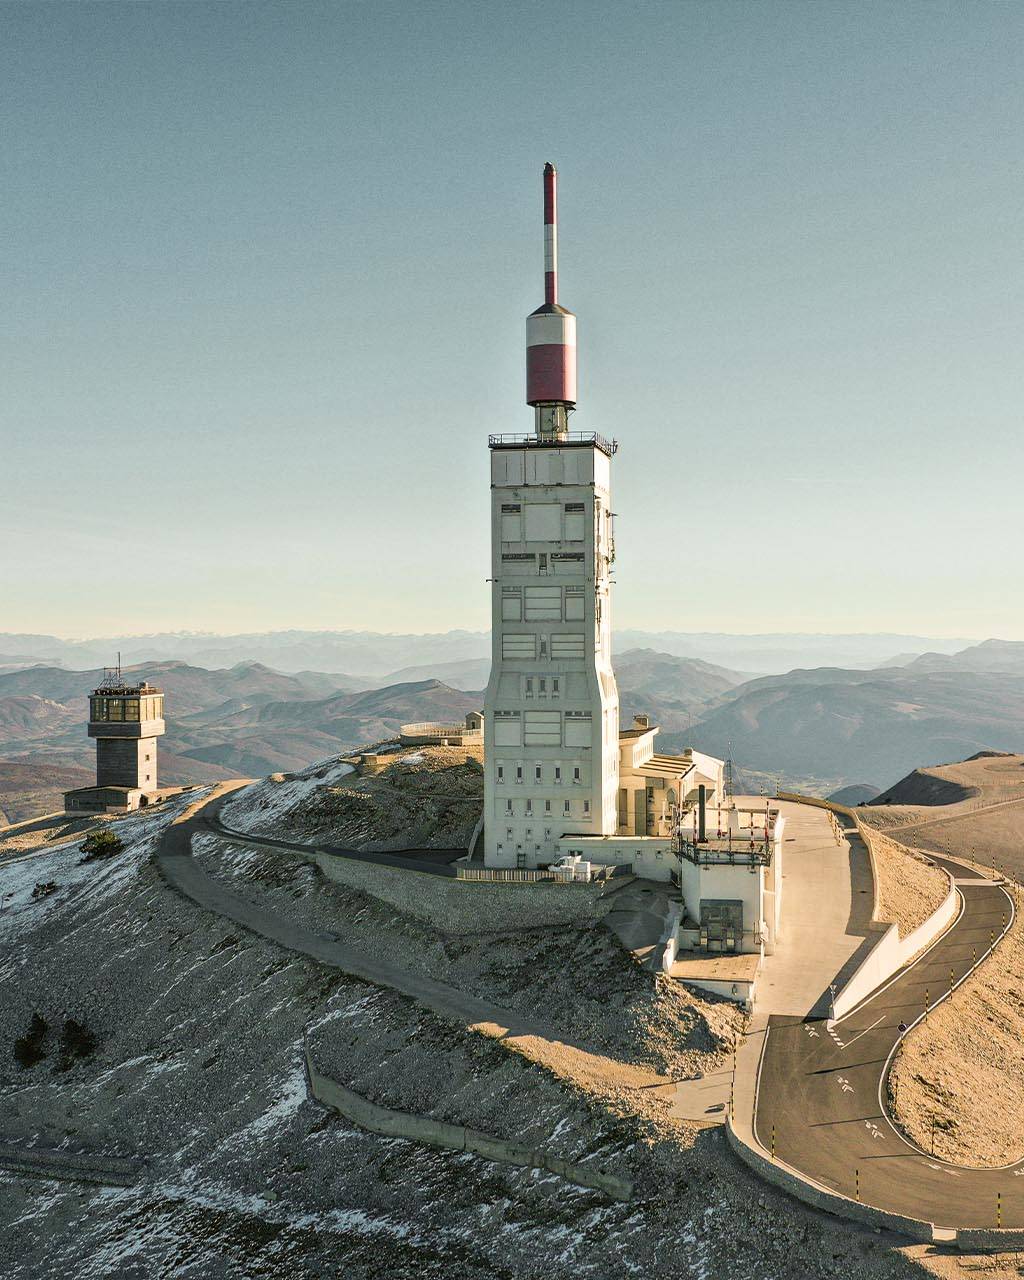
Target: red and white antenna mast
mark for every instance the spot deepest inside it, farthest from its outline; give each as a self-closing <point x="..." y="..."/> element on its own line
<point x="550" y="235"/>
<point x="551" y="335"/>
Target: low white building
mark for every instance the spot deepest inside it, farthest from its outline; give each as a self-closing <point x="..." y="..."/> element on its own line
<point x="729" y="874"/>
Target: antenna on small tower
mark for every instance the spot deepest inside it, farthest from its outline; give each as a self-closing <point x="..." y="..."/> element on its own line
<point x="727" y="780"/>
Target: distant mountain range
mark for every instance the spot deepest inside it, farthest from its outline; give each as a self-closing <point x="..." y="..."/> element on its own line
<point x="845" y="725"/>
<point x="822" y="728"/>
<point x="372" y="658"/>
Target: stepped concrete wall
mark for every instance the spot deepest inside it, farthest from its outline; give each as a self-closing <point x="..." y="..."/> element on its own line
<point x="453" y="1137"/>
<point x="467" y="906"/>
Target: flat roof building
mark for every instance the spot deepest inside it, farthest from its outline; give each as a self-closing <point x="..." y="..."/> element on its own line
<point x="125" y="719"/>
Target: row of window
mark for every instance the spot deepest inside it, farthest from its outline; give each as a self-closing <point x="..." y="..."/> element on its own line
<point x="534" y="808"/>
<point x="120" y="710"/>
<point x="515" y="773"/>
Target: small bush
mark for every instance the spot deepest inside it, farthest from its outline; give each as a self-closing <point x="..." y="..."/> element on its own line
<point x="76" y="1041"/>
<point x="44" y="888"/>
<point x="28" y="1049"/>
<point x="100" y="844"/>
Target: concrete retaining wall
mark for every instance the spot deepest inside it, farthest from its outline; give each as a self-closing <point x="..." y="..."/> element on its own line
<point x="971" y="1239"/>
<point x="453" y="1137"/>
<point x="670" y="936"/>
<point x="892" y="952"/>
<point x="466" y="906"/>
<point x="812" y="1193"/>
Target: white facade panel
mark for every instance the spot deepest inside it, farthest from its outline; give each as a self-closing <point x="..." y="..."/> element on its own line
<point x="551" y="711"/>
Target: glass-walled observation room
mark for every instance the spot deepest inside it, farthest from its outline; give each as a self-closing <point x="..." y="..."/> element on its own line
<point x="119" y="710"/>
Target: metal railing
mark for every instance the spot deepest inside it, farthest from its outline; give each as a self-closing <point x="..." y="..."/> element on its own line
<point x="515" y="439"/>
<point x="741" y="853"/>
<point x="500" y="875"/>
<point x="437" y="730"/>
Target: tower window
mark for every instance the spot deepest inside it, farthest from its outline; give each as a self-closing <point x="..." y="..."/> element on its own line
<point x="567" y="808"/>
<point x="529" y="808"/>
<point x="586" y="806"/>
<point x="576" y="773"/>
<point x="529" y="687"/>
<point x="558" y="773"/>
<point x="536" y="773"/>
<point x="547" y="806"/>
<point x="508" y="807"/>
<point x="519" y="773"/>
<point x="501" y="773"/>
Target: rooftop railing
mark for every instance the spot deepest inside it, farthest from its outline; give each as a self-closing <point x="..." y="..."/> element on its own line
<point x="515" y="440"/>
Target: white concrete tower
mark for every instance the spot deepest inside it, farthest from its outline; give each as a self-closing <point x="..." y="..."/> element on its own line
<point x="551" y="729"/>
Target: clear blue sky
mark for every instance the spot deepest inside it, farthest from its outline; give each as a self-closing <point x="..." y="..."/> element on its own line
<point x="266" y="267"/>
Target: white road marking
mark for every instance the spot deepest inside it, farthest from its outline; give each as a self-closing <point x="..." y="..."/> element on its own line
<point x="864" y="1032"/>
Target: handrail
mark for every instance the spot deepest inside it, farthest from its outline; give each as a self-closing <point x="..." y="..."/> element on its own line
<point x="515" y="439"/>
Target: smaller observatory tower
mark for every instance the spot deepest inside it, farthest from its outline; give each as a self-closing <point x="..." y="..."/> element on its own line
<point x="126" y="720"/>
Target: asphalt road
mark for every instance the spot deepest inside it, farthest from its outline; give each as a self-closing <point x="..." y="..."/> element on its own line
<point x="819" y="1091"/>
<point x="434" y="862"/>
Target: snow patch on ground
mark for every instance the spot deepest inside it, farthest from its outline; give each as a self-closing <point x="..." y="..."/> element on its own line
<point x="260" y="807"/>
<point x="82" y="885"/>
<point x="414" y="759"/>
<point x="292" y="1095"/>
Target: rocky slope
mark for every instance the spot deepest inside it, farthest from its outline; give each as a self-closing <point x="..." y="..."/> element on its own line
<point x="429" y="798"/>
<point x="192" y="1061"/>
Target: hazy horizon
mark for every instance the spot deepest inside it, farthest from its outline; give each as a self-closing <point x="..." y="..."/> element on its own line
<point x="267" y="268"/>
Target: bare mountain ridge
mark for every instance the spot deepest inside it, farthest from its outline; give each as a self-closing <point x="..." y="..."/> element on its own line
<point x="841" y="726"/>
<point x="374" y="657"/>
<point x="821" y="728"/>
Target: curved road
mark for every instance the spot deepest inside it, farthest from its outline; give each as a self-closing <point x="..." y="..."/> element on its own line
<point x="820" y="1089"/>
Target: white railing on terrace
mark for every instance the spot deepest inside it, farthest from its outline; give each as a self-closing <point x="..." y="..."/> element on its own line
<point x="499" y="874"/>
<point x="435" y="729"/>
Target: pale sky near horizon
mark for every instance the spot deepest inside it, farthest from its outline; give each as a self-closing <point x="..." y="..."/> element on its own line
<point x="265" y="269"/>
